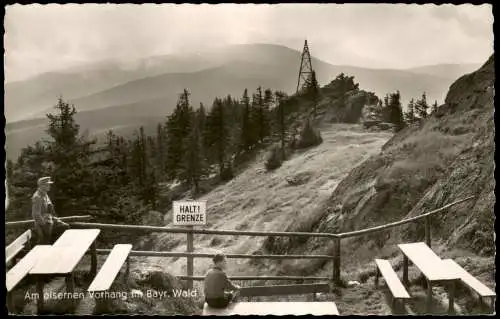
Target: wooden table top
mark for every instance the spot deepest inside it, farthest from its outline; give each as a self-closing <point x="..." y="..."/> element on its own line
<point x="430" y="264"/>
<point x="65" y="254"/>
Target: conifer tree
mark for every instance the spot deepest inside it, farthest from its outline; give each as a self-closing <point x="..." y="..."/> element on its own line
<point x="217" y="134"/>
<point x="178" y="128"/>
<point x="160" y="145"/>
<point x="139" y="159"/>
<point x="421" y="107"/>
<point x="386" y="111"/>
<point x="201" y="120"/>
<point x="232" y="121"/>
<point x="313" y="91"/>
<point x="247" y="131"/>
<point x="112" y="161"/>
<point x="280" y="117"/>
<point x="260" y="116"/>
<point x="434" y="107"/>
<point x="124" y="161"/>
<point x="70" y="154"/>
<point x="135" y="168"/>
<point x="194" y="165"/>
<point x="143" y="157"/>
<point x="174" y="146"/>
<point x="409" y="115"/>
<point x="201" y="117"/>
<point x="379" y="110"/>
<point x="151" y="191"/>
<point x="142" y="170"/>
<point x="396" y="111"/>
<point x="268" y="100"/>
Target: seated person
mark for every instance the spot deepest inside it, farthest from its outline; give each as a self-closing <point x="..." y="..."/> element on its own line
<point x="219" y="290"/>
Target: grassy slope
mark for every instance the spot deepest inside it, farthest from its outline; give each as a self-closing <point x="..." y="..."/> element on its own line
<point x="257" y="200"/>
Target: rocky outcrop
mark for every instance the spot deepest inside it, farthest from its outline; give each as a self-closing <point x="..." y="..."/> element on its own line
<point x="350" y="111"/>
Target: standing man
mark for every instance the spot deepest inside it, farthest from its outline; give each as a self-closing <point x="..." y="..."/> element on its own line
<point x="43" y="212"/>
<point x="219" y="290"/>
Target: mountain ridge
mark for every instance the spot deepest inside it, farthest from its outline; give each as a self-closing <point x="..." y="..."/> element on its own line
<point x="103" y="75"/>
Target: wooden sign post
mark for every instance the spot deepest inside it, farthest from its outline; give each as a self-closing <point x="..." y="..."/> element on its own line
<point x="189" y="213"/>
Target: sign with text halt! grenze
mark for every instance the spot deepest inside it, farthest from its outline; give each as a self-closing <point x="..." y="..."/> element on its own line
<point x="190" y="213"/>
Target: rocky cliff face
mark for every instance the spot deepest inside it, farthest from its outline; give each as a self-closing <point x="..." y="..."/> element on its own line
<point x="450" y="157"/>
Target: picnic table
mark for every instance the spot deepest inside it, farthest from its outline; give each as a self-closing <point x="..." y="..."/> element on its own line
<point x="63" y="257"/>
<point x="276" y="309"/>
<point x="432" y="267"/>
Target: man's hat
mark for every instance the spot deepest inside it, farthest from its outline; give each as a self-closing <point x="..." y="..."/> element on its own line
<point x="44" y="180"/>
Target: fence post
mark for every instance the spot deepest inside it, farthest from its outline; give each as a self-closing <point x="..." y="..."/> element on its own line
<point x="428" y="230"/>
<point x="336" y="261"/>
<point x="190" y="258"/>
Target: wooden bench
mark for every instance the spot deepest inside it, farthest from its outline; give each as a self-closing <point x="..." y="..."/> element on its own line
<point x="111" y="267"/>
<point x="481" y="289"/>
<point x="17" y="273"/>
<point x="107" y="274"/>
<point x="392" y="281"/>
<point x="17" y="246"/>
<point x="277" y="308"/>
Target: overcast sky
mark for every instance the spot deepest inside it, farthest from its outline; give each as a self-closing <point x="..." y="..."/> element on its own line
<point x="40" y="38"/>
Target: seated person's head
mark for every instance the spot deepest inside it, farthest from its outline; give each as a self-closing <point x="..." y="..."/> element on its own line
<point x="220" y="260"/>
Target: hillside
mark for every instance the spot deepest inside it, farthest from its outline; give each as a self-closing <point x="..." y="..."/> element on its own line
<point x="265" y="201"/>
<point x="357" y="179"/>
<point x="422" y="168"/>
<point x="419" y="169"/>
<point x="148" y="89"/>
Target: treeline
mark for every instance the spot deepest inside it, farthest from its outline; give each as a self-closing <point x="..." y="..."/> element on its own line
<point x="121" y="179"/>
<point x="390" y="110"/>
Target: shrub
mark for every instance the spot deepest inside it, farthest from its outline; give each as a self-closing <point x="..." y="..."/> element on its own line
<point x="309" y="137"/>
<point x="299" y="179"/>
<point x="275" y="158"/>
<point x="215" y="241"/>
<point x="227" y="173"/>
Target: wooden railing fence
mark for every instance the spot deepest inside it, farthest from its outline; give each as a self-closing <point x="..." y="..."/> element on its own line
<point x="190" y="231"/>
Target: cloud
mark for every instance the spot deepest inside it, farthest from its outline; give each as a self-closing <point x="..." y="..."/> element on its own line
<point x="471" y="19"/>
<point x="40" y="38"/>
